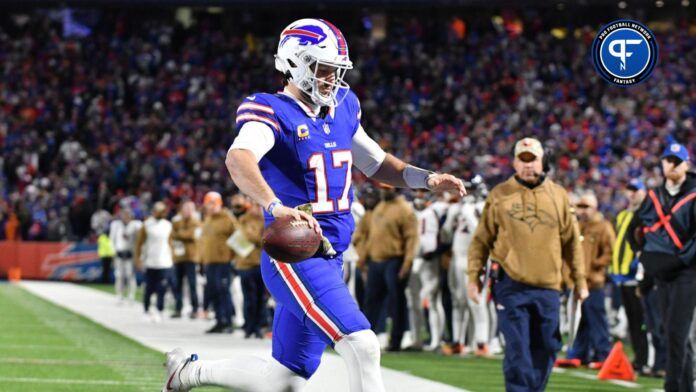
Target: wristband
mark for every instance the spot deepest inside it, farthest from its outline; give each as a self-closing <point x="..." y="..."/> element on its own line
<point x="416" y="178"/>
<point x="272" y="205"/>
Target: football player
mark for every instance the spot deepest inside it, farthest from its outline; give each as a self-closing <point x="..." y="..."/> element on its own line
<point x="424" y="282"/>
<point x="293" y="148"/>
<point x="460" y="224"/>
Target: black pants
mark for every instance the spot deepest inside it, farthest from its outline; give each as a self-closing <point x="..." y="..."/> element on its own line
<point x="383" y="283"/>
<point x="106" y="269"/>
<point x="359" y="289"/>
<point x="677" y="302"/>
<point x="653" y="320"/>
<point x="219" y="280"/>
<point x="634" y="312"/>
<point x="446" y="304"/>
<point x="186" y="269"/>
<point x="156" y="281"/>
<point x="254" y="300"/>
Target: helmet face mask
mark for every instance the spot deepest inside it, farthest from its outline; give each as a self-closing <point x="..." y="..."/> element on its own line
<point x="308" y="51"/>
<point x="326" y="75"/>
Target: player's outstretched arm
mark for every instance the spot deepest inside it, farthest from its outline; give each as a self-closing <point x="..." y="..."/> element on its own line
<point x="396" y="172"/>
<point x="369" y="157"/>
<point x="245" y="173"/>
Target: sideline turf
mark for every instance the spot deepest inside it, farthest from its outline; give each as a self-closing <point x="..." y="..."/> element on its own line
<point x="477" y="374"/>
<point x="44" y="347"/>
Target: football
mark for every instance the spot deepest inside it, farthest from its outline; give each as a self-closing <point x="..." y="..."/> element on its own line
<point x="290" y="241"/>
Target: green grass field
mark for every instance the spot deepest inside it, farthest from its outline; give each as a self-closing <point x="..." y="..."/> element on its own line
<point x="44" y="347"/>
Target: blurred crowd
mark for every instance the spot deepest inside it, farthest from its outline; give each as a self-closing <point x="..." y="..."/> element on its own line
<point x="119" y="137"/>
<point x="142" y="108"/>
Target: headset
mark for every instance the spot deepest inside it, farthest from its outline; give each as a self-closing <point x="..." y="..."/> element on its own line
<point x="547" y="161"/>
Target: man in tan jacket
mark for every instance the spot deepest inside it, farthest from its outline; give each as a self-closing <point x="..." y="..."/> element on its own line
<point x="213" y="251"/>
<point x="527" y="228"/>
<point x="185" y="252"/>
<point x="390" y="247"/>
<point x="247" y="261"/>
<point x="592" y="342"/>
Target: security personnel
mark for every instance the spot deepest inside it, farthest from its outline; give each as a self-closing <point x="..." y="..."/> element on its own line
<point x="592" y="342"/>
<point x="528" y="228"/>
<point x="247" y="262"/>
<point x="390" y="248"/>
<point x="105" y="251"/>
<point x="213" y="251"/>
<point x="623" y="270"/>
<point x="185" y="251"/>
<point x="668" y="221"/>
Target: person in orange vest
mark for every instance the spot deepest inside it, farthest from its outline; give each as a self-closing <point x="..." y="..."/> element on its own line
<point x="665" y="234"/>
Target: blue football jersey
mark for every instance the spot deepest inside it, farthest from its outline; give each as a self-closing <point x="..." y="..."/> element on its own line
<point x="311" y="159"/>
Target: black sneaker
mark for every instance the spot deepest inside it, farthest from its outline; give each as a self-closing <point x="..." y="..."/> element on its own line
<point x="217" y="328"/>
<point x="176" y="315"/>
<point x="227" y="328"/>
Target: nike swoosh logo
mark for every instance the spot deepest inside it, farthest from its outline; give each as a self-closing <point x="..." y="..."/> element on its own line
<point x="169" y="386"/>
<point x="253" y="97"/>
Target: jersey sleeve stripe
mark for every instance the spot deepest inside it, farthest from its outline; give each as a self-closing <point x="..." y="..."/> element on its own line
<point x="255" y="107"/>
<point x="253" y="117"/>
<point x="271" y="117"/>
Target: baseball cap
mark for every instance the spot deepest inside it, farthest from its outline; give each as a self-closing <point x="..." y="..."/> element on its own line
<point x="213" y="197"/>
<point x="676" y="150"/>
<point x="636" y="184"/>
<point x="530" y="145"/>
<point x="159" y="207"/>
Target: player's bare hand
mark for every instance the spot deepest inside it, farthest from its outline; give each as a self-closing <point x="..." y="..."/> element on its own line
<point x="283" y="211"/>
<point x="581" y="294"/>
<point x="404" y="271"/>
<point x="446" y="182"/>
<point x="473" y="291"/>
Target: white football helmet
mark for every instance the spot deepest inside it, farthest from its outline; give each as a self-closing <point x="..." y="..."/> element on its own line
<point x="304" y="45"/>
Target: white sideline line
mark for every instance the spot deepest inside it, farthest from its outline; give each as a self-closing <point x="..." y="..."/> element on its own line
<point x="71" y="381"/>
<point x="39" y="347"/>
<point x="621" y="383"/>
<point x="100" y="307"/>
<point x="71" y="362"/>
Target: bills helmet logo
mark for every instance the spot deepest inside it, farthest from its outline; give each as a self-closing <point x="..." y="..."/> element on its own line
<point x="307" y="35"/>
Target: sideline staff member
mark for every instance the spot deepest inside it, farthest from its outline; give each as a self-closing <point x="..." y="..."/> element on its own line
<point x="668" y="220"/>
<point x="527" y="226"/>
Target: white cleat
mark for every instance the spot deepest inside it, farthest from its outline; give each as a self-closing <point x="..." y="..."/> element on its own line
<point x="176" y="362"/>
<point x="156" y="317"/>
